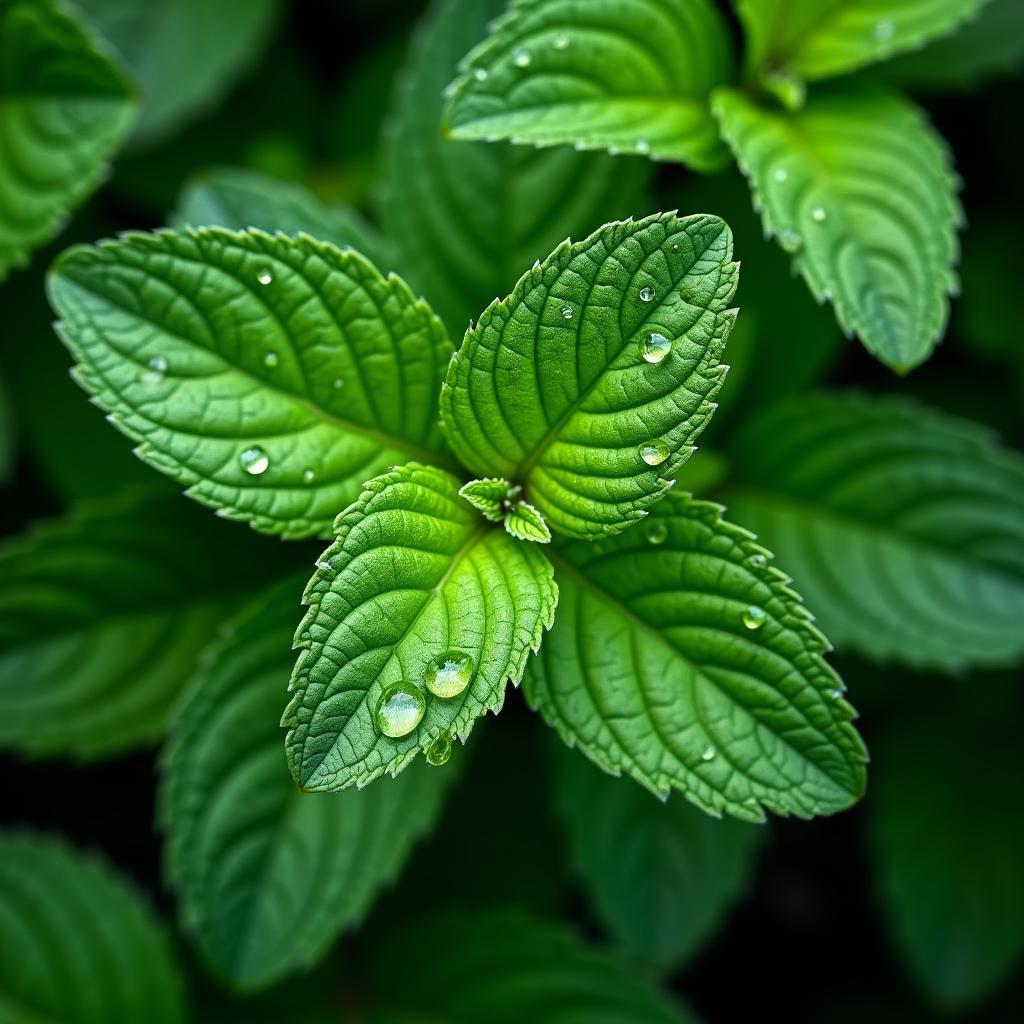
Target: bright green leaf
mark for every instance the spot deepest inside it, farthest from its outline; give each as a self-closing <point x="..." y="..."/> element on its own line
<point x="505" y="967"/>
<point x="271" y="375"/>
<point x="630" y="76"/>
<point x="902" y="526"/>
<point x="268" y="876"/>
<point x="526" y="523"/>
<point x="681" y="657"/>
<point x="64" y="108"/>
<point x="858" y="186"/>
<point x="102" y="618"/>
<point x="819" y="38"/>
<point x="415" y="579"/>
<point x="489" y="497"/>
<point x="661" y="877"/>
<point x="77" y="943"/>
<point x="238" y="199"/>
<point x="947" y="838"/>
<point x="183" y="53"/>
<point x="589" y="384"/>
<point x="466" y="217"/>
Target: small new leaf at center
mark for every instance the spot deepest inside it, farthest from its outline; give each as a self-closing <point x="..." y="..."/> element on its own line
<point x="501" y="502"/>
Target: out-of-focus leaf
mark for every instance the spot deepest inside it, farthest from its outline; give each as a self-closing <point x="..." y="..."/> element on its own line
<point x="660" y="876"/>
<point x="268" y="876"/>
<point x="78" y="945"/>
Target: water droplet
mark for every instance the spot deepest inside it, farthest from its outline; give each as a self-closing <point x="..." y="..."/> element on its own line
<point x="480" y="74"/>
<point x="642" y="146"/>
<point x="835" y="694"/>
<point x="521" y="58"/>
<point x="646" y="293"/>
<point x="754" y="617"/>
<point x="657" y="532"/>
<point x="790" y="239"/>
<point x="270" y="360"/>
<point x="401" y="709"/>
<point x="158" y="364"/>
<point x="254" y="460"/>
<point x="654" y="453"/>
<point x="155" y="374"/>
<point x="780" y="174"/>
<point x="567" y="312"/>
<point x="560" y="42"/>
<point x="708" y="753"/>
<point x="884" y="30"/>
<point x="440" y="750"/>
<point x="656" y="347"/>
<point x="675" y="247"/>
<point x="758" y="561"/>
<point x="309" y="475"/>
<point x="265" y="276"/>
<point x="818" y="214"/>
<point x="338" y="384"/>
<point x="449" y="674"/>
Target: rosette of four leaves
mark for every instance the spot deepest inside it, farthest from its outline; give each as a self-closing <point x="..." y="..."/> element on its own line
<point x="271" y="374"/>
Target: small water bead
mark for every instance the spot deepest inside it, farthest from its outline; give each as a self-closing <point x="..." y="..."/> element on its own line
<point x="835" y="694"/>
<point x="480" y="74"/>
<point x="818" y="215"/>
<point x="158" y="364"/>
<point x="265" y="277"/>
<point x="400" y="710"/>
<point x="449" y="674"/>
<point x="440" y="750"/>
<point x="270" y="360"/>
<point x="254" y="460"/>
<point x="309" y="475"/>
<point x="560" y="42"/>
<point x="656" y="347"/>
<point x="758" y="561"/>
<point x="642" y="146"/>
<point x="754" y="617"/>
<point x="337" y="384"/>
<point x="521" y="58"/>
<point x="708" y="754"/>
<point x="567" y="312"/>
<point x="657" y="532"/>
<point x="654" y="453"/>
<point x="155" y="374"/>
<point x="646" y="293"/>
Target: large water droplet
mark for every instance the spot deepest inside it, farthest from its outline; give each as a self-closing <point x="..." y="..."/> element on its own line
<point x="654" y="453"/>
<point x="646" y="293"/>
<point x="656" y="347"/>
<point x="567" y="312"/>
<point x="400" y="710"/>
<point x="265" y="276"/>
<point x="440" y="750"/>
<point x="708" y="753"/>
<point x="254" y="460"/>
<point x="754" y="617"/>
<point x="819" y="215"/>
<point x="657" y="532"/>
<point x="449" y="674"/>
<point x="521" y="58"/>
<point x="270" y="360"/>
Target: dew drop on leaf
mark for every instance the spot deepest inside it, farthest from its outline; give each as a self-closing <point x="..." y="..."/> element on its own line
<point x="707" y="754"/>
<point x="309" y="475"/>
<point x="270" y="360"/>
<point x="440" y="750"/>
<point x="560" y="42"/>
<point x="254" y="460"/>
<point x="400" y="709"/>
<point x="656" y="532"/>
<point x="338" y="384"/>
<point x="521" y="58"/>
<point x="155" y="374"/>
<point x="480" y="74"/>
<point x="818" y="215"/>
<point x="654" y="453"/>
<point x="758" y="561"/>
<point x="656" y="347"/>
<point x="567" y="312"/>
<point x="646" y="293"/>
<point x="449" y="674"/>
<point x="265" y="276"/>
<point x="754" y="617"/>
<point x="642" y="146"/>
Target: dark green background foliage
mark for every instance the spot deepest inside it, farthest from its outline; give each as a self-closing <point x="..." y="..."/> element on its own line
<point x="309" y="209"/>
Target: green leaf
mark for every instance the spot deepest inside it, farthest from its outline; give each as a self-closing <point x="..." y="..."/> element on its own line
<point x="589" y="383"/>
<point x="77" y="943"/>
<point x="267" y="876"/>
<point x="466" y="217"/>
<point x="489" y="497"/>
<point x="65" y="108"/>
<point x="947" y="838"/>
<point x="903" y="526"/>
<point x="991" y="44"/>
<point x="271" y="375"/>
<point x="414" y="578"/>
<point x="682" y="658"/>
<point x="183" y="53"/>
<point x="858" y="186"/>
<point x="238" y="199"/>
<point x="510" y="968"/>
<point x="661" y="877"/>
<point x="526" y="523"/>
<point x="819" y="38"/>
<point x="103" y="615"/>
<point x="629" y="76"/>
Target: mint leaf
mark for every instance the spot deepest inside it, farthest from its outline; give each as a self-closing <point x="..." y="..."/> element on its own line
<point x="904" y="527"/>
<point x="77" y="943"/>
<point x="183" y="53"/>
<point x="102" y="617"/>
<point x="489" y="497"/>
<point x="858" y="186"/>
<point x="418" y="614"/>
<point x="239" y="199"/>
<point x="268" y="877"/>
<point x="682" y="658"/>
<point x="526" y="523"/>
<point x="510" y="968"/>
<point x="66" y="109"/>
<point x="947" y="841"/>
<point x="630" y="77"/>
<point x="271" y="375"/>
<point x="661" y="877"/>
<point x="466" y="217"/>
<point x="589" y="383"/>
<point x="819" y="38"/>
